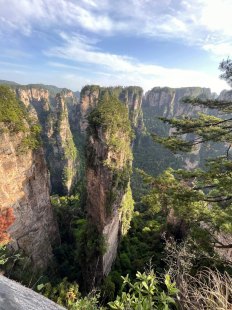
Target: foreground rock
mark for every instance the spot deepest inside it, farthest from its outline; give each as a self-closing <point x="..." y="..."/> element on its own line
<point x="14" y="296"/>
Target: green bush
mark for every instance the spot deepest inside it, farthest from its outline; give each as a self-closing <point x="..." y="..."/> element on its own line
<point x="64" y="294"/>
<point x="16" y="118"/>
<point x="112" y="116"/>
<point x="12" y="112"/>
<point x="126" y="210"/>
<point x="146" y="293"/>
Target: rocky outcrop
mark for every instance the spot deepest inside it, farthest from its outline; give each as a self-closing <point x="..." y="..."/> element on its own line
<point x="166" y="102"/>
<point x="61" y="152"/>
<point x="24" y="186"/>
<point x="225" y="95"/>
<point x="52" y="111"/>
<point x="30" y="96"/>
<point x="108" y="168"/>
<point x="88" y="101"/>
<point x="108" y="172"/>
<point x="131" y="96"/>
<point x="14" y="296"/>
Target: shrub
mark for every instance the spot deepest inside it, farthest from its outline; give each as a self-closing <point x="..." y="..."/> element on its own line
<point x="146" y="293"/>
<point x="6" y="219"/>
<point x="208" y="289"/>
<point x="12" y="113"/>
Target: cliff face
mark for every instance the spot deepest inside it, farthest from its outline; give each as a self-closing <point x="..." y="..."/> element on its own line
<point x="165" y="102"/>
<point x="225" y="95"/>
<point x="24" y="186"/>
<point x="108" y="172"/>
<point x="88" y="101"/>
<point x="61" y="152"/>
<point x="52" y="112"/>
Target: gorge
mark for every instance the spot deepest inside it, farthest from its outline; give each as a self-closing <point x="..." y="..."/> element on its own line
<point x="89" y="146"/>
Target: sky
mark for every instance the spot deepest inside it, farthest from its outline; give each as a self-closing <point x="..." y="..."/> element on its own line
<point x="149" y="43"/>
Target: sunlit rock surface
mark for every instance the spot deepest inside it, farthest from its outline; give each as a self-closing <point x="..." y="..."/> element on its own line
<point x="14" y="296"/>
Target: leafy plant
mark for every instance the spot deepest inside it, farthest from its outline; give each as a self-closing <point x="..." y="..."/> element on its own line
<point x="64" y="294"/>
<point x="146" y="293"/>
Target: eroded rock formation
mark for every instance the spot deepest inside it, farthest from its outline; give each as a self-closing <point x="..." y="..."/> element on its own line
<point x="24" y="186"/>
<point x="109" y="161"/>
<point x="131" y="96"/>
<point x="166" y="102"/>
<point x="52" y="111"/>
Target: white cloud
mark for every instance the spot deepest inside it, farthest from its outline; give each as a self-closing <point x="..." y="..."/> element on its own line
<point x="120" y="69"/>
<point x="203" y="23"/>
<point x="76" y="48"/>
<point x="198" y="22"/>
<point x="222" y="50"/>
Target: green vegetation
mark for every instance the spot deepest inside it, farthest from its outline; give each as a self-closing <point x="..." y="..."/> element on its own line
<point x="70" y="153"/>
<point x="175" y="227"/>
<point x="70" y="150"/>
<point x="110" y="120"/>
<point x="112" y="116"/>
<point x="176" y="202"/>
<point x="31" y="141"/>
<point x="126" y="210"/>
<point x="90" y="88"/>
<point x="200" y="196"/>
<point x="64" y="294"/>
<point x="72" y="223"/>
<point x="141" y="246"/>
<point x="149" y="156"/>
<point x="12" y="112"/>
<point x="67" y="294"/>
<point x="146" y="294"/>
<point x="16" y="118"/>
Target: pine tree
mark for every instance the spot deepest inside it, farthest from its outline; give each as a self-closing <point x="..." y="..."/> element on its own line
<point x="202" y="197"/>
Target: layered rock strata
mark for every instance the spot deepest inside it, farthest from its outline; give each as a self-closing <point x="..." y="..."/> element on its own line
<point x="24" y="186"/>
<point x="52" y="111"/>
<point x="108" y="172"/>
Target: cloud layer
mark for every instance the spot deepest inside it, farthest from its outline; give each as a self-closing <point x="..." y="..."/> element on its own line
<point x="79" y="25"/>
<point x="119" y="68"/>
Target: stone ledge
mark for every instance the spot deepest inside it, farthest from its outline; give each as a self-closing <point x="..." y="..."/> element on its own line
<point x="14" y="296"/>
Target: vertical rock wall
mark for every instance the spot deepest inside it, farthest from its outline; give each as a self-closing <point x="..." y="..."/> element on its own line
<point x="52" y="111"/>
<point x="166" y="102"/>
<point x="24" y="186"/>
<point x="109" y="161"/>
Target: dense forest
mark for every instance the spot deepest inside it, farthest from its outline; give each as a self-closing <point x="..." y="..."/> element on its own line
<point x="138" y="195"/>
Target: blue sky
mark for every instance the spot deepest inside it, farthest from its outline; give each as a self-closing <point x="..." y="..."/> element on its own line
<point x="149" y="43"/>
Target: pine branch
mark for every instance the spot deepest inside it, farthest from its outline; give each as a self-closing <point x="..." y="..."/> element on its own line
<point x="204" y="187"/>
<point x="217" y="199"/>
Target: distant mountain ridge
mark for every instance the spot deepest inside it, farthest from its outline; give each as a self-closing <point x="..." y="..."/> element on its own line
<point x="5" y="82"/>
<point x="53" y="90"/>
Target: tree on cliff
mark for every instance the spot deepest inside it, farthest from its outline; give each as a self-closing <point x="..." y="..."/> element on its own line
<point x="199" y="196"/>
<point x="12" y="113"/>
<point x="6" y="219"/>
